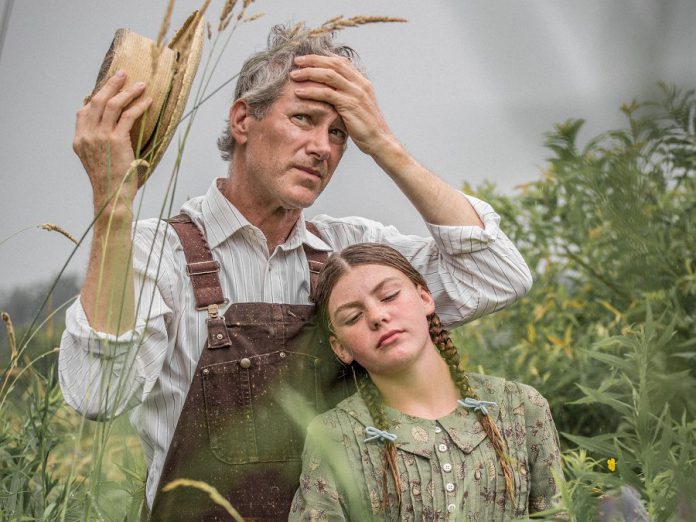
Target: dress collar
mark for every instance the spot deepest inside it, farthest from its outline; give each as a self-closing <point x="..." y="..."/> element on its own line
<point x="416" y="435"/>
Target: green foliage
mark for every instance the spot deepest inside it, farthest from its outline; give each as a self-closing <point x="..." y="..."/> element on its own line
<point x="30" y="487"/>
<point x="55" y="465"/>
<point x="608" y="332"/>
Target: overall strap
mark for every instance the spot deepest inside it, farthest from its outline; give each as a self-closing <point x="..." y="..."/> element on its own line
<point x="200" y="265"/>
<point x="315" y="258"/>
<point x="204" y="273"/>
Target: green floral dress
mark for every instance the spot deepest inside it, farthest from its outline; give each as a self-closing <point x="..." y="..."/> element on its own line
<point x="448" y="468"/>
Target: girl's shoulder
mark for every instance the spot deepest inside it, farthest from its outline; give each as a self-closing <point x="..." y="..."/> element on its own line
<point x="510" y="394"/>
<point x="349" y="411"/>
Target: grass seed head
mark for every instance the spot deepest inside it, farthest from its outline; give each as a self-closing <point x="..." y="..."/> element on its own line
<point x="50" y="227"/>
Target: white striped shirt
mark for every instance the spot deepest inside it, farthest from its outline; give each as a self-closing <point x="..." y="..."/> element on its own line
<point x="470" y="272"/>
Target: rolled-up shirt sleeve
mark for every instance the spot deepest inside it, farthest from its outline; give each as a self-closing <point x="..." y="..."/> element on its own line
<point x="103" y="375"/>
<point x="471" y="271"/>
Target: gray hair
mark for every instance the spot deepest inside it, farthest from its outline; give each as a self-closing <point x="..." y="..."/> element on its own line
<point x="265" y="73"/>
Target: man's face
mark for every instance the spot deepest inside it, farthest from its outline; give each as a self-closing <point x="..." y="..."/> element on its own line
<point x="292" y="152"/>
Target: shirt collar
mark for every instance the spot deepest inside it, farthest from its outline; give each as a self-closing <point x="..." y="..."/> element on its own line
<point x="222" y="220"/>
<point x="300" y="235"/>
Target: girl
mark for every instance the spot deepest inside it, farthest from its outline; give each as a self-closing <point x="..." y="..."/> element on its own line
<point x="422" y="439"/>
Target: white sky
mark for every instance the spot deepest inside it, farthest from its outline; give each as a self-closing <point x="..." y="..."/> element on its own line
<point x="470" y="87"/>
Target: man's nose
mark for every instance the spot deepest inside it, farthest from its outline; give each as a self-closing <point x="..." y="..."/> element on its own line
<point x="319" y="145"/>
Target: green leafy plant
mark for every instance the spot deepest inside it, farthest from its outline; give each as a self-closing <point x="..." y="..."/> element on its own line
<point x="607" y="332"/>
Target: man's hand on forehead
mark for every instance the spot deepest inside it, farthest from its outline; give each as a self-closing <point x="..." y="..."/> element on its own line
<point x="337" y="82"/>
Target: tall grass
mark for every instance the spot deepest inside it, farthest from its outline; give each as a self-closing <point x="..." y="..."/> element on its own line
<point x="55" y="464"/>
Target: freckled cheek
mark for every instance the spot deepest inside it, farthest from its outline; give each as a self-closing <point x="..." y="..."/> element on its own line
<point x="355" y="342"/>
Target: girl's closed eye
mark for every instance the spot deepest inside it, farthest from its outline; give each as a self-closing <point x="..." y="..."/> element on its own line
<point x="349" y="318"/>
<point x="353" y="319"/>
<point x="391" y="296"/>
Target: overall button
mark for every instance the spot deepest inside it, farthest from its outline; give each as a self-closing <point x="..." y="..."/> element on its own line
<point x="447" y="467"/>
<point x="451" y="508"/>
<point x="245" y="363"/>
<point x="438" y="429"/>
<point x="219" y="336"/>
<point x="442" y="447"/>
<point x="282" y="355"/>
<point x="206" y="371"/>
<point x="449" y="487"/>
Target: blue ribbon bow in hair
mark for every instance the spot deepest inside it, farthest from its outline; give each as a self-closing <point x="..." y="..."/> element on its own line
<point x="477" y="405"/>
<point x="377" y="434"/>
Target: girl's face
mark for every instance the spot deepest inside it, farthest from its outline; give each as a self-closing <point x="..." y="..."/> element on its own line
<point x="379" y="319"/>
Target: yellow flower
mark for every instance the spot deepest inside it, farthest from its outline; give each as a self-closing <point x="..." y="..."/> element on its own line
<point x="611" y="464"/>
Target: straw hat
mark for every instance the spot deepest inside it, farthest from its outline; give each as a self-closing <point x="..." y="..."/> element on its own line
<point x="168" y="83"/>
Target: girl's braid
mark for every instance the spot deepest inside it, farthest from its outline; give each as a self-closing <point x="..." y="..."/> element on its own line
<point x="449" y="353"/>
<point x="373" y="399"/>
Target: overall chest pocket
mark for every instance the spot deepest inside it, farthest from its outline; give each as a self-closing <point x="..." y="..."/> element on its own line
<point x="256" y="408"/>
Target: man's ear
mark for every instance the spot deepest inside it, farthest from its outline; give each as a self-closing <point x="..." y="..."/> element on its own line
<point x="428" y="301"/>
<point x="341" y="352"/>
<point x="239" y="120"/>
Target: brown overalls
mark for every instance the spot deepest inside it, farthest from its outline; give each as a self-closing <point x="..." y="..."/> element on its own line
<point x="263" y="373"/>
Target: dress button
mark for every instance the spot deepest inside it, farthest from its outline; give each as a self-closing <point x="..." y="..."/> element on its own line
<point x="206" y="371"/>
<point x="447" y="467"/>
<point x="451" y="508"/>
<point x="438" y="429"/>
<point x="442" y="447"/>
<point x="477" y="474"/>
<point x="245" y="363"/>
<point x="449" y="487"/>
<point x="282" y="355"/>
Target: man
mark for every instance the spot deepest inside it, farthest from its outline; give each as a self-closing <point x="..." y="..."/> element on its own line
<point x="212" y="396"/>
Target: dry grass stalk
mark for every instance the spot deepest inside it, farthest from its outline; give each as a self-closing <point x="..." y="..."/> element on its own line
<point x="245" y="4"/>
<point x="226" y="14"/>
<point x="164" y="27"/>
<point x="204" y="7"/>
<point x="12" y="370"/>
<point x="57" y="228"/>
<point x="253" y="17"/>
<point x="11" y="336"/>
<point x="210" y="490"/>
<point x="339" y="22"/>
<point x="332" y="20"/>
